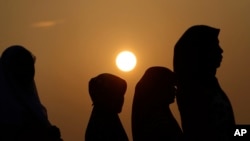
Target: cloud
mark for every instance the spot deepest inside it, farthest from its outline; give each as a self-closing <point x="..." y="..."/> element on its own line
<point x="44" y="24"/>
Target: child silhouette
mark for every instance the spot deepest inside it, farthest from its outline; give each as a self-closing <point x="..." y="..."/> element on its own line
<point x="107" y="94"/>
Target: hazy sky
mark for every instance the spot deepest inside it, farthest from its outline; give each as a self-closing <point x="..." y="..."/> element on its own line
<point x="79" y="39"/>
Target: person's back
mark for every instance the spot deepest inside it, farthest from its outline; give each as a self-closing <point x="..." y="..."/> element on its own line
<point x="151" y="116"/>
<point x="206" y="112"/>
<point x="107" y="93"/>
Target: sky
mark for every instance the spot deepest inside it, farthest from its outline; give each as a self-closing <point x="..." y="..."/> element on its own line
<point x="76" y="40"/>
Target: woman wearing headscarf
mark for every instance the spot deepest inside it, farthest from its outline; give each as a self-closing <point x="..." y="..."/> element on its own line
<point x="107" y="94"/>
<point x="23" y="117"/>
<point x="206" y="112"/>
<point x="152" y="119"/>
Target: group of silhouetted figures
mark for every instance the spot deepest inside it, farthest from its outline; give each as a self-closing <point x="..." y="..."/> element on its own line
<point x="206" y="112"/>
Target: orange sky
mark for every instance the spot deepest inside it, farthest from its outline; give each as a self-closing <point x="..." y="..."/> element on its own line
<point x="78" y="39"/>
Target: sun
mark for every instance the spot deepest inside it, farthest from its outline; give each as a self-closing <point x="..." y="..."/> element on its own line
<point x="126" y="61"/>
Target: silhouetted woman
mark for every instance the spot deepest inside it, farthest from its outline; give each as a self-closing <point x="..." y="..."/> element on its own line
<point x="107" y="94"/>
<point x="23" y="117"/>
<point x="152" y="119"/>
<point x="206" y="112"/>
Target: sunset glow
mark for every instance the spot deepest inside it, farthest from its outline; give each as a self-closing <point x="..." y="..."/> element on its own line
<point x="74" y="41"/>
<point x="126" y="61"/>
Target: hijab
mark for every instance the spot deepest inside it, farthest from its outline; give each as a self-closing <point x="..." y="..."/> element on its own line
<point x="19" y="98"/>
<point x="193" y="51"/>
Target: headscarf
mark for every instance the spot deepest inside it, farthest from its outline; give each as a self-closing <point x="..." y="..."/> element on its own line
<point x="192" y="51"/>
<point x="149" y="88"/>
<point x="151" y="116"/>
<point x="105" y="86"/>
<point x="201" y="101"/>
<point x="19" y="98"/>
<point x="107" y="93"/>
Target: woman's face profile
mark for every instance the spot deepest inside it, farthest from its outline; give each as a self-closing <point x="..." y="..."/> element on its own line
<point x="214" y="54"/>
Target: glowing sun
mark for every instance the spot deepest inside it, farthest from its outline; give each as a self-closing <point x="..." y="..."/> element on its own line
<point x="126" y="61"/>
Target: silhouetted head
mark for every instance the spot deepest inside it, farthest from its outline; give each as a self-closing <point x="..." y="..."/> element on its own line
<point x="198" y="51"/>
<point x="107" y="92"/>
<point x="18" y="64"/>
<point x="157" y="86"/>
